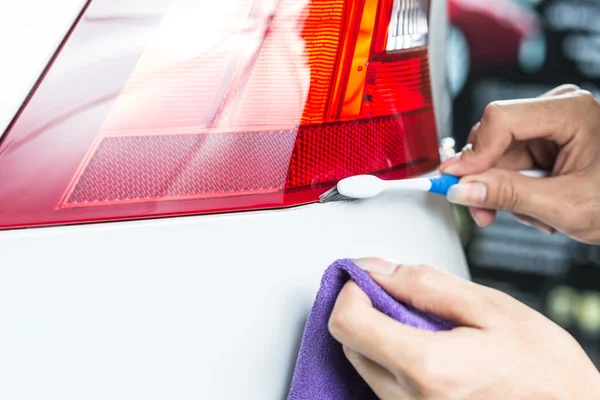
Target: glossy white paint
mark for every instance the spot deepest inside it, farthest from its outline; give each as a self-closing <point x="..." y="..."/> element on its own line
<point x="192" y="308"/>
<point x="208" y="307"/>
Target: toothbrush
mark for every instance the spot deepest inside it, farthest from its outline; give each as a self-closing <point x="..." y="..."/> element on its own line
<point x="369" y="186"/>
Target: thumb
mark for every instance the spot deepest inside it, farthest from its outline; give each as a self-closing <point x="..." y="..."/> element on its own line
<point x="499" y="189"/>
<point x="432" y="291"/>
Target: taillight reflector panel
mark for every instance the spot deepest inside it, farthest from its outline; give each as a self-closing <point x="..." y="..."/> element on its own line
<point x="178" y="107"/>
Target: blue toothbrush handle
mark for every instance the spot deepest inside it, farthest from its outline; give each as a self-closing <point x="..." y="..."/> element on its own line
<point x="441" y="184"/>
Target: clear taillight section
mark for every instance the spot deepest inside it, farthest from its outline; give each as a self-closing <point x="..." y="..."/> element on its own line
<point x="408" y="25"/>
<point x="178" y="107"/>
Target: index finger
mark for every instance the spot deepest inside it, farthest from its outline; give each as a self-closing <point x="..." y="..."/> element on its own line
<point x="356" y="324"/>
<point x="440" y="293"/>
<point x="553" y="118"/>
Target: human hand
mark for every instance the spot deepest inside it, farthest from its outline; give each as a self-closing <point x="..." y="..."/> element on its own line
<point x="501" y="349"/>
<point x="559" y="131"/>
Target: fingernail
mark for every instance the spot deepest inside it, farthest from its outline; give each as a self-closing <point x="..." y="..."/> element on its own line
<point x="452" y="167"/>
<point x="475" y="215"/>
<point x="377" y="265"/>
<point x="540" y="226"/>
<point x="543" y="228"/>
<point x="452" y="160"/>
<point x="527" y="223"/>
<point x="467" y="194"/>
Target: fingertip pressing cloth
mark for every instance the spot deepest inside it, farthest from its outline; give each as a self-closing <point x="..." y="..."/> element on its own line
<point x="322" y="371"/>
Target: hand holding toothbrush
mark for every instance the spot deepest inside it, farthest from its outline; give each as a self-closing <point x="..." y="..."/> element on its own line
<point x="559" y="131"/>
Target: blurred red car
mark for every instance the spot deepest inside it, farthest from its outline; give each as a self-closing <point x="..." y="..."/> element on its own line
<point x="486" y="35"/>
<point x="497" y="32"/>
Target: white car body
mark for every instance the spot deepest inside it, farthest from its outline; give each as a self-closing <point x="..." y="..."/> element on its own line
<point x="201" y="307"/>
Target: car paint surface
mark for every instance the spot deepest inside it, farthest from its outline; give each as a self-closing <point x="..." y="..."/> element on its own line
<point x="183" y="308"/>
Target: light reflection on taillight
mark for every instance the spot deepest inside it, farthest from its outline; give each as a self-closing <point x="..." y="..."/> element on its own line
<point x="234" y="105"/>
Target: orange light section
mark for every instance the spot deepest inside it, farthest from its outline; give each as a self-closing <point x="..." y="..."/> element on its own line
<point x="353" y="96"/>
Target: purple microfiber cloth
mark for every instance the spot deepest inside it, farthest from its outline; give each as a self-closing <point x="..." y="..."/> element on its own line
<point x="322" y="370"/>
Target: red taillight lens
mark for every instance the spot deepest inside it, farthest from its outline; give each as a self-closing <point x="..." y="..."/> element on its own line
<point x="190" y="107"/>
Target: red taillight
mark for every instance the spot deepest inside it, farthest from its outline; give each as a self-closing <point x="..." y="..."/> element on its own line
<point x="191" y="107"/>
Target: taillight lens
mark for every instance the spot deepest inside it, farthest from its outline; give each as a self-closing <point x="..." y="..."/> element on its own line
<point x="176" y="107"/>
<point x="408" y="25"/>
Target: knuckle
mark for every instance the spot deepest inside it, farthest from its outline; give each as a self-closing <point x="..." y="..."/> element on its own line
<point x="340" y="323"/>
<point x="504" y="194"/>
<point x="492" y="113"/>
<point x="586" y="97"/>
<point x="568" y="87"/>
<point x="492" y="110"/>
<point x="422" y="277"/>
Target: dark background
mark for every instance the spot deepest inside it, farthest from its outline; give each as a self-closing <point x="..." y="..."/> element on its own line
<point x="552" y="274"/>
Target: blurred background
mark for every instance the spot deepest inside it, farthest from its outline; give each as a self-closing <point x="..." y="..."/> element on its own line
<point x="505" y="49"/>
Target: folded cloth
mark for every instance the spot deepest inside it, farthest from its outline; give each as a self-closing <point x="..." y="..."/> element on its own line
<point x="322" y="371"/>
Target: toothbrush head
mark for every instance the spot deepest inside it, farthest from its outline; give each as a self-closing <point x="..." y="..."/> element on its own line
<point x="354" y="187"/>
